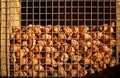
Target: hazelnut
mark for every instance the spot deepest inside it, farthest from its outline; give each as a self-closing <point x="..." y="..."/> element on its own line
<point x="20" y="53"/>
<point x="68" y="67"/>
<point x="25" y="68"/>
<point x="14" y="47"/>
<point x="41" y="42"/>
<point x="55" y="54"/>
<point x="32" y="72"/>
<point x="74" y="42"/>
<point x="81" y="42"/>
<point x="24" y="36"/>
<point x="50" y="69"/>
<point x="32" y="61"/>
<point x="64" y="57"/>
<point x="11" y="36"/>
<point x="42" y="74"/>
<point x="23" y="73"/>
<point x="112" y="42"/>
<point x="76" y="58"/>
<point x="83" y="29"/>
<point x="112" y="62"/>
<point x="23" y="61"/>
<point x="75" y="29"/>
<point x="62" y="36"/>
<point x="105" y="48"/>
<point x="76" y="66"/>
<point x="56" y="29"/>
<point x="29" y="54"/>
<point x="39" y="68"/>
<point x="46" y="36"/>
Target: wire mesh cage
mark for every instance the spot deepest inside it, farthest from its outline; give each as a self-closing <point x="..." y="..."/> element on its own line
<point x="59" y="38"/>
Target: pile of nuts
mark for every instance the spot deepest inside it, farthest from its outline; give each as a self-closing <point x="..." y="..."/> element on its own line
<point x="64" y="51"/>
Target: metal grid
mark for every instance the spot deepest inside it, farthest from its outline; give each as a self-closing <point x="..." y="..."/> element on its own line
<point x="64" y="13"/>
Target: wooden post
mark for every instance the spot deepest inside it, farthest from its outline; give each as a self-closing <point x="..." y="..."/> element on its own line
<point x="10" y="17"/>
<point x="118" y="29"/>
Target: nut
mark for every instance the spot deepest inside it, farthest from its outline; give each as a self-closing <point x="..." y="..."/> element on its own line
<point x="55" y="54"/>
<point x="20" y="53"/>
<point x="25" y="68"/>
<point x="64" y="57"/>
<point x="76" y="58"/>
<point x="23" y="61"/>
<point x="32" y="72"/>
<point x="14" y="47"/>
<point x="39" y="68"/>
<point x="32" y="61"/>
<point x="56" y="29"/>
<point x="50" y="69"/>
<point x="75" y="29"/>
<point x="23" y="73"/>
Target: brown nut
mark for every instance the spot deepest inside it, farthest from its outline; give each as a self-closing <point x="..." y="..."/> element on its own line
<point x="112" y="62"/>
<point x="25" y="68"/>
<point x="24" y="36"/>
<point x="32" y="72"/>
<point x="75" y="29"/>
<point x="46" y="29"/>
<point x="87" y="36"/>
<point x="23" y="73"/>
<point x="87" y="61"/>
<point x="15" y="67"/>
<point x="17" y="36"/>
<point x="67" y="29"/>
<point x="61" y="71"/>
<point x="71" y="54"/>
<point x="76" y="58"/>
<point x="74" y="42"/>
<point x="20" y="53"/>
<point x="50" y="69"/>
<point x="56" y="28"/>
<point x="70" y="49"/>
<point x="95" y="65"/>
<point x="39" y="68"/>
<point x="24" y="43"/>
<point x="106" y="60"/>
<point x="16" y="29"/>
<point x="41" y="42"/>
<point x="61" y="36"/>
<point x="38" y="48"/>
<point x="105" y="48"/>
<point x="98" y="55"/>
<point x="106" y="36"/>
<point x="95" y="48"/>
<point x="55" y="54"/>
<point x="16" y="73"/>
<point x="88" y="44"/>
<point x="42" y="74"/>
<point x="32" y="61"/>
<point x="68" y="67"/>
<point x="14" y="47"/>
<point x="36" y="30"/>
<point x="38" y="56"/>
<point x="11" y="36"/>
<point x="76" y="66"/>
<point x="46" y="36"/>
<point x="103" y="66"/>
<point x="74" y="72"/>
<point x="30" y="54"/>
<point x="83" y="29"/>
<point x="82" y="72"/>
<point x="64" y="57"/>
<point x="23" y="61"/>
<point x="81" y="42"/>
<point x="112" y="42"/>
<point x="49" y="42"/>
